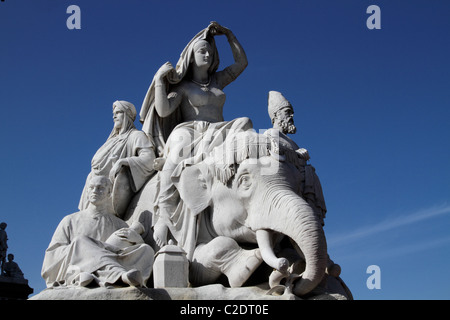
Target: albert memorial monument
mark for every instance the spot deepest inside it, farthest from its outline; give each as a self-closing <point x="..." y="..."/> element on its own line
<point x="190" y="206"/>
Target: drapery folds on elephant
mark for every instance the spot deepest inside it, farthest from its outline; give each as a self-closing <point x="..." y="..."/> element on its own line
<point x="245" y="191"/>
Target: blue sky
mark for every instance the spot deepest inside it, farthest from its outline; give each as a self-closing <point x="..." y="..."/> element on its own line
<point x="371" y="106"/>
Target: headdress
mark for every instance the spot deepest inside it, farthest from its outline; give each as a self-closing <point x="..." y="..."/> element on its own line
<point x="276" y="102"/>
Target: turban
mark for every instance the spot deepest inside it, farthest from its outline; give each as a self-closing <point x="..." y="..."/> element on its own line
<point x="276" y="102"/>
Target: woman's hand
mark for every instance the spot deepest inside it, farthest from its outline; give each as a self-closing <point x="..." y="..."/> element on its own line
<point x="216" y="29"/>
<point x="163" y="71"/>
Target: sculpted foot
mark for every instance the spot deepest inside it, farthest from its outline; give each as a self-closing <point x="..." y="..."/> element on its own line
<point x="160" y="234"/>
<point x="243" y="267"/>
<point x="133" y="278"/>
<point x="85" y="279"/>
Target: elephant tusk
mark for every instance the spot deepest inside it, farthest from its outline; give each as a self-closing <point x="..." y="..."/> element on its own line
<point x="264" y="239"/>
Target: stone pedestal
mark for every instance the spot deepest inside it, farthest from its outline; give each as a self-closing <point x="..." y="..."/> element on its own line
<point x="209" y="292"/>
<point x="14" y="288"/>
<point x="171" y="268"/>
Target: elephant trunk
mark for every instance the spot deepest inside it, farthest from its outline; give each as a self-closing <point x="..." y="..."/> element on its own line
<point x="287" y="213"/>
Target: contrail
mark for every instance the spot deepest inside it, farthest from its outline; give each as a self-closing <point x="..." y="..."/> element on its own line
<point x="389" y="224"/>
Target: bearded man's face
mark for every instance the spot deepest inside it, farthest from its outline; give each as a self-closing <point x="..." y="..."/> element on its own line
<point x="285" y="121"/>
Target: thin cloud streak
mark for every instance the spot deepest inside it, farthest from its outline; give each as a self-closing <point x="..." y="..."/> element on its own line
<point x="415" y="247"/>
<point x="375" y="255"/>
<point x="389" y="224"/>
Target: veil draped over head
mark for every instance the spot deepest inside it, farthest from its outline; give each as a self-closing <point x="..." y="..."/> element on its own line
<point x="152" y="124"/>
<point x="130" y="115"/>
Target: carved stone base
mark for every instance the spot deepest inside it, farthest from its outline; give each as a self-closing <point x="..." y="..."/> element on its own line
<point x="14" y="288"/>
<point x="210" y="292"/>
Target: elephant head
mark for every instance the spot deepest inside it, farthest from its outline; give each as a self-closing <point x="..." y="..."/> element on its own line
<point x="250" y="187"/>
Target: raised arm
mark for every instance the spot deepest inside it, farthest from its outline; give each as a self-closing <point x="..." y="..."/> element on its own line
<point x="231" y="72"/>
<point x="165" y="103"/>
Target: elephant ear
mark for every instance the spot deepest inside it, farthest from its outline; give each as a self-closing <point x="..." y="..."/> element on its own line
<point x="194" y="186"/>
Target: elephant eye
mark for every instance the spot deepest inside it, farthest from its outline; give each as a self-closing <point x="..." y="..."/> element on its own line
<point x="244" y="181"/>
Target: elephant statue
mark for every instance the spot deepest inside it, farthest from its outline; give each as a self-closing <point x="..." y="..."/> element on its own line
<point x="237" y="204"/>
